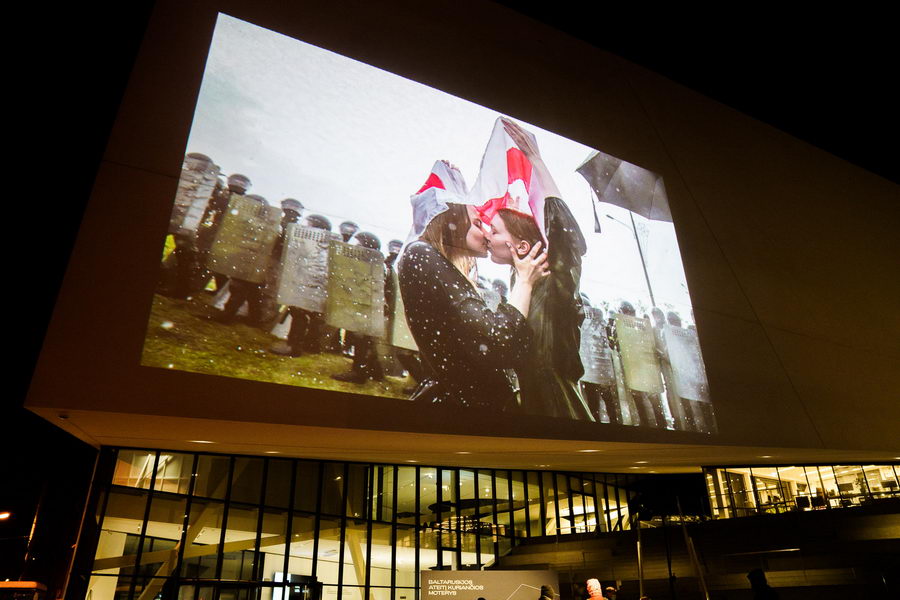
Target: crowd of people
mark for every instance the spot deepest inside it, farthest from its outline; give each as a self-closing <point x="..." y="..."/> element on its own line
<point x="533" y="345"/>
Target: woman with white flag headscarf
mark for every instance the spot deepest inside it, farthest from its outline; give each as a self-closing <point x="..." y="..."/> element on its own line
<point x="520" y="200"/>
<point x="465" y="346"/>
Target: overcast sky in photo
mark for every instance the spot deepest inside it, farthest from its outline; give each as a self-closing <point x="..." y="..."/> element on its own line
<point x="353" y="142"/>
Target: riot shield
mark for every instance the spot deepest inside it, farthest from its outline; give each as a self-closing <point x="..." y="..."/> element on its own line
<point x="303" y="280"/>
<point x="355" y="289"/>
<point x="688" y="372"/>
<point x="399" y="334"/>
<point x="195" y="188"/>
<point x="637" y="347"/>
<point x="245" y="240"/>
<point x="596" y="356"/>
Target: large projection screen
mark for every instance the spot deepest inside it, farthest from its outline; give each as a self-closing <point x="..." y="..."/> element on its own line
<point x="294" y="252"/>
<point x="754" y="278"/>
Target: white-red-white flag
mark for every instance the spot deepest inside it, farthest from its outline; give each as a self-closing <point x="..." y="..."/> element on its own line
<point x="507" y="180"/>
<point x="445" y="184"/>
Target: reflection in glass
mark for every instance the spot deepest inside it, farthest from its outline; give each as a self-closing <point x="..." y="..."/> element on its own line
<point x="238" y="527"/>
<point x="742" y="491"/>
<point x="134" y="468"/>
<point x="212" y="476"/>
<point x="173" y="473"/>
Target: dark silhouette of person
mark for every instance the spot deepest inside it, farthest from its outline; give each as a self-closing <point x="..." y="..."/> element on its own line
<point x="242" y="291"/>
<point x="306" y="326"/>
<point x="365" y="365"/>
<point x="348" y="229"/>
<point x="760" y="587"/>
<point x="649" y="405"/>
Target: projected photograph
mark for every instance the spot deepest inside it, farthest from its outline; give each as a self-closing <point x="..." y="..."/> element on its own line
<point x="340" y="227"/>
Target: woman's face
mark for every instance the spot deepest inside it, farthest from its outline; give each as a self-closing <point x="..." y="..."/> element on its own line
<point x="499" y="238"/>
<point x="476" y="240"/>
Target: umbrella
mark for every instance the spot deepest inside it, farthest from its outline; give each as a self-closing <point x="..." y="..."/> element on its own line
<point x="626" y="185"/>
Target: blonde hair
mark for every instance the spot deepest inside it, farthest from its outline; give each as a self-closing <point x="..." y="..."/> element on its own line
<point x="447" y="233"/>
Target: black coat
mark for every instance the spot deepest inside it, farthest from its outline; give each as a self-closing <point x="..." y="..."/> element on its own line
<point x="465" y="346"/>
<point x="549" y="379"/>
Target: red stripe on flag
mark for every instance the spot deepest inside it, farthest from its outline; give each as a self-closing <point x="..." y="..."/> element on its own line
<point x="432" y="181"/>
<point x="488" y="210"/>
<point x="518" y="167"/>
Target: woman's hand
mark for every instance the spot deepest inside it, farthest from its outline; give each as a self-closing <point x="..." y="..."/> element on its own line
<point x="522" y="139"/>
<point x="532" y="267"/>
<point x="529" y="270"/>
<point x="528" y="145"/>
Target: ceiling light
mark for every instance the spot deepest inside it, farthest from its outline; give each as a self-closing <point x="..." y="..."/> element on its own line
<point x="765" y="456"/>
<point x="640" y="462"/>
<point x="201" y="442"/>
<point x="272" y="452"/>
<point x="462" y="452"/>
<point x="589" y="450"/>
<point x="5" y="515"/>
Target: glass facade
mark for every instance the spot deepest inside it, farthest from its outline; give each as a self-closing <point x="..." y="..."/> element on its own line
<point x="744" y="491"/>
<point x="198" y="526"/>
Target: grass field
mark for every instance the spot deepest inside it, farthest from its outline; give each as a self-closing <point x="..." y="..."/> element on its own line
<point x="181" y="336"/>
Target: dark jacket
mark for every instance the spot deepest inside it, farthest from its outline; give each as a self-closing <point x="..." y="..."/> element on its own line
<point x="465" y="346"/>
<point x="549" y="379"/>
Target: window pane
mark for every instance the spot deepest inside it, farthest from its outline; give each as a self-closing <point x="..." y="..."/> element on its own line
<point x="739" y="484"/>
<point x="240" y="534"/>
<point x="880" y="479"/>
<point x="383" y="501"/>
<point x="406" y="494"/>
<point x="850" y="483"/>
<point x="589" y="518"/>
<point x="246" y="482"/>
<point x="357" y="490"/>
<point x="212" y="476"/>
<point x="162" y="533"/>
<point x="622" y="482"/>
<point x="278" y="483"/>
<point x="793" y="485"/>
<point x="173" y="472"/>
<point x="520" y="510"/>
<point x="134" y="468"/>
<point x="272" y="543"/>
<point x="485" y="530"/>
<point x="406" y="556"/>
<point x="381" y="555"/>
<point x="306" y="492"/>
<point x="303" y="531"/>
<point x="535" y="524"/>
<point x="329" y="551"/>
<point x="118" y="544"/>
<point x="826" y="475"/>
<point x="550" y="525"/>
<point x="202" y="539"/>
<point x="818" y="499"/>
<point x="333" y="489"/>
<point x="501" y="489"/>
<point x="429" y="511"/>
<point x="355" y="548"/>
